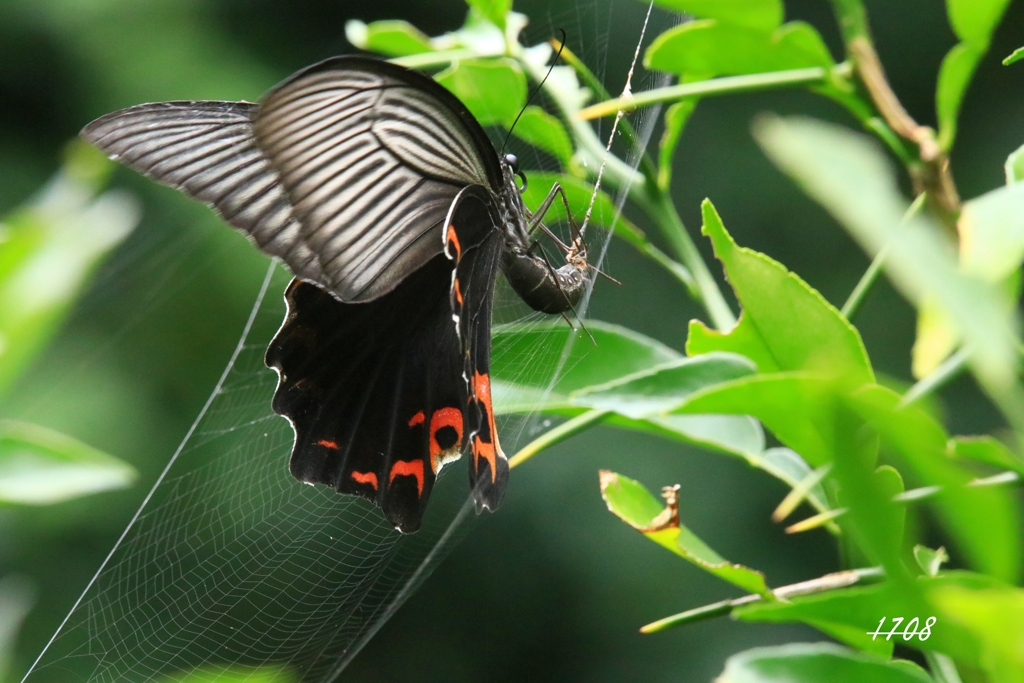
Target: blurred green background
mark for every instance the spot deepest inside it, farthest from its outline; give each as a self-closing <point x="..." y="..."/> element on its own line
<point x="552" y="587"/>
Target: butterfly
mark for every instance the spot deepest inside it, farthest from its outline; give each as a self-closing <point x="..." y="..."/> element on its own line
<point x="385" y="198"/>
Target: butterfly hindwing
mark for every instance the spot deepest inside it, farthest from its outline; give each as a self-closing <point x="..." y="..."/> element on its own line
<point x="471" y="297"/>
<point x="377" y="391"/>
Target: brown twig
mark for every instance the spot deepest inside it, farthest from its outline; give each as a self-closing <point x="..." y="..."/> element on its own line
<point x="932" y="176"/>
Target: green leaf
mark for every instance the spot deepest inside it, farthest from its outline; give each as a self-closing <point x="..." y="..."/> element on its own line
<point x="975" y="20"/>
<point x="982" y="520"/>
<point x="16" y="599"/>
<point x="48" y="251"/>
<point x="995" y="617"/>
<point x="1015" y="165"/>
<point x="577" y="193"/>
<point x="762" y="15"/>
<point x="494" y="11"/>
<point x="985" y="449"/>
<point x="848" y="614"/>
<point x="233" y="674"/>
<point x="707" y="48"/>
<point x="731" y="434"/>
<point x="545" y="132"/>
<point x="662" y="388"/>
<point x="930" y="561"/>
<point x="744" y="339"/>
<point x="789" y="322"/>
<point x="1014" y="56"/>
<point x="494" y="90"/>
<point x="394" y="38"/>
<point x="676" y="117"/>
<point x="795" y="406"/>
<point x="637" y="507"/>
<point x="39" y="466"/>
<point x="629" y="500"/>
<point x="851" y="614"/>
<point x="787" y="465"/>
<point x="991" y="231"/>
<point x="618" y="352"/>
<point x="954" y="77"/>
<point x="937" y="337"/>
<point x="889" y="517"/>
<point x="849" y="175"/>
<point x="816" y="662"/>
<point x="807" y="413"/>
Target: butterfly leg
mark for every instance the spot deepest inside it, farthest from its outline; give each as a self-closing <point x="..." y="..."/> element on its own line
<point x="536" y="218"/>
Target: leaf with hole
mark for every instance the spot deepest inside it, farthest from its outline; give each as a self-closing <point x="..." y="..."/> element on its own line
<point x="633" y="504"/>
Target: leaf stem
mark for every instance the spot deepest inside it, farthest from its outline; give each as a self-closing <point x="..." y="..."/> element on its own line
<point x="853" y="20"/>
<point x="1008" y="477"/>
<point x="947" y="370"/>
<point x="425" y="60"/>
<point x="726" y="85"/>
<point x="557" y="435"/>
<point x="646" y="195"/>
<point x="663" y="212"/>
<point x="821" y="584"/>
<point x="594" y="83"/>
<point x="859" y="292"/>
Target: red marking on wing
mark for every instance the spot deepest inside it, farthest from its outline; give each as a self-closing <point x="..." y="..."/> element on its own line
<point x="413" y="468"/>
<point x="458" y="293"/>
<point x="417" y="419"/>
<point x="365" y="478"/>
<point x="445" y="417"/>
<point x="327" y="444"/>
<point x="454" y="239"/>
<point x="485" y="449"/>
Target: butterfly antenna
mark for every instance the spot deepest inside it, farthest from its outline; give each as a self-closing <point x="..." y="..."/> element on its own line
<point x="536" y="90"/>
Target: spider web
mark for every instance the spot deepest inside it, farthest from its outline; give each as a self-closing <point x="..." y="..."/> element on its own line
<point x="230" y="562"/>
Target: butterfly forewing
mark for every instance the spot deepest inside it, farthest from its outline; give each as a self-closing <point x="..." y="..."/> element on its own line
<point x="371" y="160"/>
<point x="207" y="150"/>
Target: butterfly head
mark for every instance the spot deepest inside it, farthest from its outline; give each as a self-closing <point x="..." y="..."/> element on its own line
<point x="511" y="163"/>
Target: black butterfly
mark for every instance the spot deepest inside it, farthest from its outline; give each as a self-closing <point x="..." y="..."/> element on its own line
<point x="385" y="198"/>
